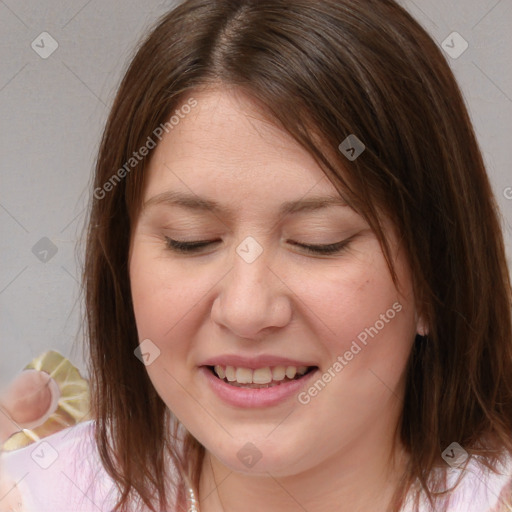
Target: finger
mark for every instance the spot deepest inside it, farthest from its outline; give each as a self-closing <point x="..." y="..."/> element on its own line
<point x="28" y="398"/>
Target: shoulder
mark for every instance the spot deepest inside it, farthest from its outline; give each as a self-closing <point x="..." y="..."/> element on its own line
<point x="61" y="472"/>
<point x="478" y="489"/>
<point x="483" y="490"/>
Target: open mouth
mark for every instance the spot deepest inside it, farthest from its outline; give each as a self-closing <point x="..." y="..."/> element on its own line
<point x="260" y="378"/>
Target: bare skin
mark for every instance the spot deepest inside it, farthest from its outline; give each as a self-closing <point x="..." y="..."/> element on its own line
<point x="335" y="451"/>
<point x="25" y="403"/>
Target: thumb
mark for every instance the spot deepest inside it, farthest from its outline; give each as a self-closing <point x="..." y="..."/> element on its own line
<point x="30" y="398"/>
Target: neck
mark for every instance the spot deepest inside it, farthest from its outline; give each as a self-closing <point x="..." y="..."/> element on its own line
<point x="357" y="478"/>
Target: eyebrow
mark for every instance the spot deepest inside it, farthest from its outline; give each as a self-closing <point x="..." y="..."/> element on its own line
<point x="194" y="202"/>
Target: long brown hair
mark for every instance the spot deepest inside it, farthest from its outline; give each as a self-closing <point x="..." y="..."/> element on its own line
<point x="322" y="70"/>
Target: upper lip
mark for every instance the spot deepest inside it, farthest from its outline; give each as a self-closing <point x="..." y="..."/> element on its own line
<point x="254" y="362"/>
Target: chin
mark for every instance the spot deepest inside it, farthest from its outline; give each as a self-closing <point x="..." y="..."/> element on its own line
<point x="259" y="458"/>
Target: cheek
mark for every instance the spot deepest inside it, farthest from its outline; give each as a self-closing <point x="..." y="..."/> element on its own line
<point x="162" y="303"/>
<point x="170" y="304"/>
<point x="161" y="294"/>
<point x="356" y="312"/>
<point x="367" y="329"/>
<point x="353" y="294"/>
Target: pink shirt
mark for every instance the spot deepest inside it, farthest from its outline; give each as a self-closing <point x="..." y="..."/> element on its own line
<point x="63" y="473"/>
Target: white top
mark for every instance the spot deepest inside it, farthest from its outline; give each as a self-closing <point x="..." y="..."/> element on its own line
<point x="60" y="473"/>
<point x="63" y="473"/>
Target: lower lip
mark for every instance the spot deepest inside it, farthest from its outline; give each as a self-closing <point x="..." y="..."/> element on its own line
<point x="249" y="398"/>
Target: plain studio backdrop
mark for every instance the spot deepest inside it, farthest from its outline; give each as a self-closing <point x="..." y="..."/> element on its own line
<point x="60" y="64"/>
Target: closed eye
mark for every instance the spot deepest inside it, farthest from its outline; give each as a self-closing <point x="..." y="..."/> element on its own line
<point x="197" y="245"/>
<point x="323" y="249"/>
<point x="194" y="246"/>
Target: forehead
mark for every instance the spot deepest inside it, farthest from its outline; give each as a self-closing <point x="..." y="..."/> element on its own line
<point x="226" y="145"/>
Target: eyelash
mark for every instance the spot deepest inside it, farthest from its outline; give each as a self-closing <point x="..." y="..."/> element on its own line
<point x="197" y="245"/>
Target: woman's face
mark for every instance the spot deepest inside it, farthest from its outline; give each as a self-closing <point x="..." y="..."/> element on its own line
<point x="257" y="300"/>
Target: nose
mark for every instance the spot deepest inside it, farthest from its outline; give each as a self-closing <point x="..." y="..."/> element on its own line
<point x="252" y="299"/>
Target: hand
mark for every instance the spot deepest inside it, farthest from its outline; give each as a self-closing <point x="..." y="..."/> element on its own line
<point x="27" y="402"/>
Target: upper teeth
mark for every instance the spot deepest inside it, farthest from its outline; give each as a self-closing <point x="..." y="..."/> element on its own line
<point x="260" y="375"/>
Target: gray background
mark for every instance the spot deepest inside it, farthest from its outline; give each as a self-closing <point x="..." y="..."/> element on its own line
<point x="53" y="111"/>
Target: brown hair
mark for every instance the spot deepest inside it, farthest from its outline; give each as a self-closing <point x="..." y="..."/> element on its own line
<point x="321" y="70"/>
